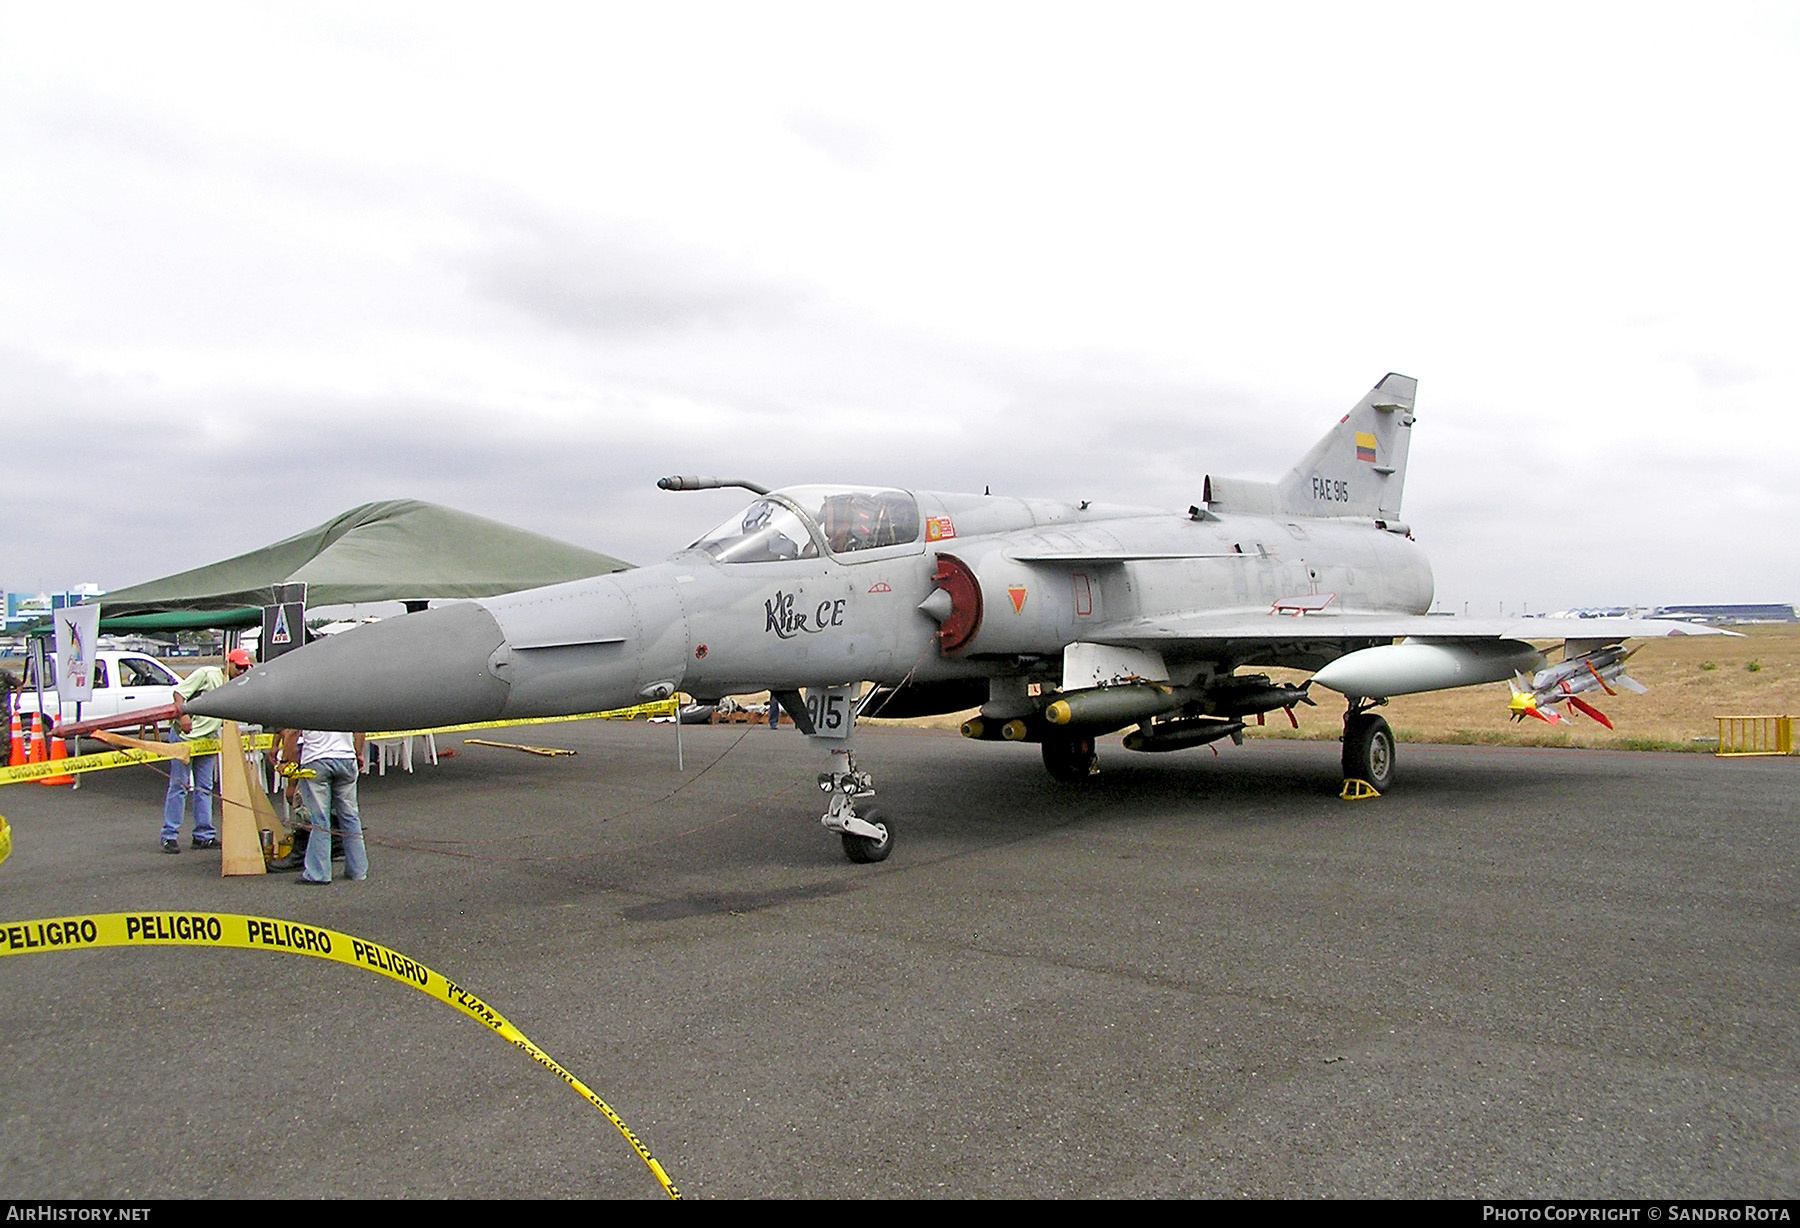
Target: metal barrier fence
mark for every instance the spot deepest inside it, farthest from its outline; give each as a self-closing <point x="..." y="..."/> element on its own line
<point x="1740" y="736"/>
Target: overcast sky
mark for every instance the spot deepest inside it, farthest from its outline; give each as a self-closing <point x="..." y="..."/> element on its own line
<point x="259" y="264"/>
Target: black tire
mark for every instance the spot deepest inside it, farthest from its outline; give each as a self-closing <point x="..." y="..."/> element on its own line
<point x="864" y="850"/>
<point x="1369" y="751"/>
<point x="1071" y="760"/>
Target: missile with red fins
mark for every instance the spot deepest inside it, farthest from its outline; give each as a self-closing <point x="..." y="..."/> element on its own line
<point x="1539" y="694"/>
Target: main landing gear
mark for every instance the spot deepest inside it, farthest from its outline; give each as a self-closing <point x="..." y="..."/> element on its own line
<point x="1070" y="759"/>
<point x="1368" y="747"/>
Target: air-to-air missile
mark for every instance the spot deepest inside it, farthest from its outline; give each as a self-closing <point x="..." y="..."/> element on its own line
<point x="1538" y="694"/>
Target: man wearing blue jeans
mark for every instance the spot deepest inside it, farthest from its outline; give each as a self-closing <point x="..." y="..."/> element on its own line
<point x="197" y="778"/>
<point x="334" y="759"/>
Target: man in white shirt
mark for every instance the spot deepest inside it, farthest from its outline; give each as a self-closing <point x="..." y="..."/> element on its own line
<point x="330" y="795"/>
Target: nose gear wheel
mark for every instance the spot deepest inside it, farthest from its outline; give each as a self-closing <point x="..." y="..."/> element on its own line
<point x="866" y="849"/>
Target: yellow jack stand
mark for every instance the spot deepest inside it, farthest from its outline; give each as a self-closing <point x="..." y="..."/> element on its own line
<point x="1358" y="791"/>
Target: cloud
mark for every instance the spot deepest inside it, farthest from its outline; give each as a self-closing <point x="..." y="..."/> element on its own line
<point x="528" y="275"/>
<point x="844" y="143"/>
<point x="211" y="472"/>
<point x="1714" y="371"/>
<point x="622" y="281"/>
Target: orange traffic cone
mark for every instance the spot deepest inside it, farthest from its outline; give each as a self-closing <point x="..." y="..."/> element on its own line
<point x="59" y="750"/>
<point x="17" y="753"/>
<point x="37" y="753"/>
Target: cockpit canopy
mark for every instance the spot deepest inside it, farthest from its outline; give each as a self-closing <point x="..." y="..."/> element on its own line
<point x="798" y="522"/>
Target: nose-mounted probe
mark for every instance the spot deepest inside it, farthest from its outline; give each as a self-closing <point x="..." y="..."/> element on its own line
<point x="690" y="482"/>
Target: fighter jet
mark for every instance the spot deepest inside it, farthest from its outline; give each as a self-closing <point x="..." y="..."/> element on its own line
<point x="1062" y="621"/>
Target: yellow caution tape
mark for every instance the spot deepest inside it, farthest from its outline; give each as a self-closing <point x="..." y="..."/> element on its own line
<point x="663" y="707"/>
<point x="667" y="707"/>
<point x="5" y="840"/>
<point x="218" y="929"/>
<point x="210" y="746"/>
<point x="116" y="758"/>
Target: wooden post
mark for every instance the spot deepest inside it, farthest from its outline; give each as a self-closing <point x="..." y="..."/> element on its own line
<point x="239" y="817"/>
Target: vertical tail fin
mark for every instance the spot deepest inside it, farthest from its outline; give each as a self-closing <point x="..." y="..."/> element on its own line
<point x="1359" y="467"/>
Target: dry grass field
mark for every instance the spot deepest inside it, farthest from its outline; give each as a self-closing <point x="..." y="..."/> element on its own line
<point x="1692" y="679"/>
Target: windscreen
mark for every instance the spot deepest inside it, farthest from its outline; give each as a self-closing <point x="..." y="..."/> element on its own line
<point x="765" y="532"/>
<point x="849" y="518"/>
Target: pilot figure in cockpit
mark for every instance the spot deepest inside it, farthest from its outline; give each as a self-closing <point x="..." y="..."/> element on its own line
<point x="839" y="523"/>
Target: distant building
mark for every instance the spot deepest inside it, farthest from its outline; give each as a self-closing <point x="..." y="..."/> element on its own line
<point x="1729" y="613"/>
<point x="23" y="608"/>
<point x="134" y="643"/>
<point x="1688" y="613"/>
<point x="1602" y="611"/>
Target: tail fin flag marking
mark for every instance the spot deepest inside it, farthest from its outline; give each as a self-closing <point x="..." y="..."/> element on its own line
<point x="1357" y="470"/>
<point x="1359" y="467"/>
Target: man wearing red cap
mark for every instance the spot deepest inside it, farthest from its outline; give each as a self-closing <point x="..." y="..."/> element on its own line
<point x="198" y="777"/>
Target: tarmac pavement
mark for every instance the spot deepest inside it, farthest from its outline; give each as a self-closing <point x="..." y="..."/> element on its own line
<point x="1521" y="974"/>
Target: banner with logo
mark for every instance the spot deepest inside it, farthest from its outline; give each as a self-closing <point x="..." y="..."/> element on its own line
<point x="77" y="634"/>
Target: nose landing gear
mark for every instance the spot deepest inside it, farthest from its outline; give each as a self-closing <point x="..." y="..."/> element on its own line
<point x="866" y="838"/>
<point x="830" y="724"/>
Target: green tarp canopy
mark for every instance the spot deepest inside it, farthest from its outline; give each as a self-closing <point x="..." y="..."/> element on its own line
<point x="171" y="620"/>
<point x="181" y="620"/>
<point x="397" y="550"/>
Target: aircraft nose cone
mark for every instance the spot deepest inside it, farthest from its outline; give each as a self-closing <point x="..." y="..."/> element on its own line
<point x="412" y="672"/>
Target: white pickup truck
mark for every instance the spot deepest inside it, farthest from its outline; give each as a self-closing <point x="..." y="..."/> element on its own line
<point x="124" y="682"/>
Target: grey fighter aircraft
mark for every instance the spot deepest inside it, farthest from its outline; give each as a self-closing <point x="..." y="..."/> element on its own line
<point x="1062" y="621"/>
